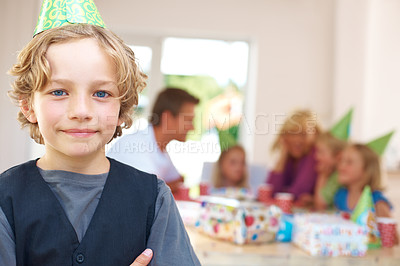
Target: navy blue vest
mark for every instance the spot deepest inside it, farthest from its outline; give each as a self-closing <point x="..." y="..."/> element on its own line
<point x="116" y="235"/>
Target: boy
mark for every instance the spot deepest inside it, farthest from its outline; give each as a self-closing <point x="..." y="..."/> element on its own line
<point x="76" y="86"/>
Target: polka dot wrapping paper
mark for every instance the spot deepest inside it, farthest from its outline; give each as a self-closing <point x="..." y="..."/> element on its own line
<point x="240" y="222"/>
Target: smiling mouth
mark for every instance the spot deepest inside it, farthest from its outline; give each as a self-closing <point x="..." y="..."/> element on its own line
<point x="80" y="133"/>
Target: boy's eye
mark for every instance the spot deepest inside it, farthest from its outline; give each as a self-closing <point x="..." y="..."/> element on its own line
<point x="59" y="93"/>
<point x="101" y="94"/>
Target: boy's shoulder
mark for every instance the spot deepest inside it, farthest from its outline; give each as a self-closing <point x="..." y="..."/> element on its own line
<point x="18" y="170"/>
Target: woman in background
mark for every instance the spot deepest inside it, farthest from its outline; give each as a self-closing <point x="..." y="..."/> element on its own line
<point x="295" y="170"/>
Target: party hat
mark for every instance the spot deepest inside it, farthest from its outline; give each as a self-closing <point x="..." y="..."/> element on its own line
<point x="364" y="215"/>
<point x="55" y="13"/>
<point x="341" y="129"/>
<point x="328" y="192"/>
<point x="379" y="145"/>
<point x="228" y="137"/>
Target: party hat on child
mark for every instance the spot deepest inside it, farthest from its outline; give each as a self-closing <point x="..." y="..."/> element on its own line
<point x="364" y="215"/>
<point x="56" y="13"/>
<point x="228" y="137"/>
<point x="379" y="145"/>
<point x="341" y="129"/>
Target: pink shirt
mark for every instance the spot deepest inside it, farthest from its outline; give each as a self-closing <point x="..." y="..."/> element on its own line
<point x="296" y="178"/>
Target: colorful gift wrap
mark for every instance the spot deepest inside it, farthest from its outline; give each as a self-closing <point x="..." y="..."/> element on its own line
<point x="240" y="222"/>
<point x="284" y="233"/>
<point x="329" y="235"/>
<point x="189" y="211"/>
<point x="241" y="193"/>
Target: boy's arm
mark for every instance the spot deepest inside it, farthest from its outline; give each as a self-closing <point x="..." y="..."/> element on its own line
<point x="7" y="244"/>
<point x="168" y="238"/>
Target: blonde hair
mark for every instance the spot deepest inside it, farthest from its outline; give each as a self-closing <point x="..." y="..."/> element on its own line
<point x="218" y="178"/>
<point x="33" y="70"/>
<point x="334" y="144"/>
<point x="371" y="166"/>
<point x="299" y="122"/>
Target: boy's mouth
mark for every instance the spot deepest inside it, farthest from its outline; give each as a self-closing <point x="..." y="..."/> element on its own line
<point x="81" y="133"/>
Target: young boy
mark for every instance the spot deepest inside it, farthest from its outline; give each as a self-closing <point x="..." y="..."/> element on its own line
<point x="76" y="86"/>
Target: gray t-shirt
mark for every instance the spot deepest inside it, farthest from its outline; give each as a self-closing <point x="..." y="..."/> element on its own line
<point x="79" y="195"/>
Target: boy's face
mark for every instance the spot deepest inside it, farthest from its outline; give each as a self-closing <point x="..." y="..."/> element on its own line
<point x="77" y="111"/>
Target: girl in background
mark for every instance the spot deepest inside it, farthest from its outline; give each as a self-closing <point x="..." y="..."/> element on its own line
<point x="295" y="171"/>
<point x="359" y="166"/>
<point x="328" y="149"/>
<point x="231" y="169"/>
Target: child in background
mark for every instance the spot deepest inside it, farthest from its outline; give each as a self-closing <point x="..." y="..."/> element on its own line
<point x="328" y="150"/>
<point x="358" y="167"/>
<point x="230" y="170"/>
<point x="76" y="86"/>
<point x="295" y="170"/>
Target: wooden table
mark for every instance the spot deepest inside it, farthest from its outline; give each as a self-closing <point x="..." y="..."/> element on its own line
<point x="216" y="252"/>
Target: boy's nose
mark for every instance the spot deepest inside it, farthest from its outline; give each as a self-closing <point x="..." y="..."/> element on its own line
<point x="80" y="108"/>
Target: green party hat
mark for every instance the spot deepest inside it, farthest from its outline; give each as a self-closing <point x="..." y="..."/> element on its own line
<point x="341" y="129"/>
<point x="228" y="137"/>
<point x="332" y="185"/>
<point x="56" y="13"/>
<point x="364" y="215"/>
<point x="379" y="145"/>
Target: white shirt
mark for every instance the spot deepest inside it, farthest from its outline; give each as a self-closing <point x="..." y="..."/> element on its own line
<point x="141" y="151"/>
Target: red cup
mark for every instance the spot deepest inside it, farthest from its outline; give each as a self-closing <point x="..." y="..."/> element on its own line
<point x="183" y="193"/>
<point x="387" y="229"/>
<point x="204" y="187"/>
<point x="264" y="193"/>
<point x="285" y="201"/>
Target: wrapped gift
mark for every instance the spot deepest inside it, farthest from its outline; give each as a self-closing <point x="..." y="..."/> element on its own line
<point x="329" y="235"/>
<point x="240" y="222"/>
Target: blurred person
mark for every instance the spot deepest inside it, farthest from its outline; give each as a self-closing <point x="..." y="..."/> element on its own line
<point x="328" y="149"/>
<point x="295" y="170"/>
<point x="231" y="169"/>
<point x="359" y="167"/>
<point x="171" y="119"/>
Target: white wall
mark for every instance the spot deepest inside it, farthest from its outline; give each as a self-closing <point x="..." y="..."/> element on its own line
<point x="291" y="42"/>
<point x="367" y="64"/>
<point x="18" y="19"/>
<point x="323" y="54"/>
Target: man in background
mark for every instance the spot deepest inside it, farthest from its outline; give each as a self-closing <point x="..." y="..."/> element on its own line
<point x="171" y="119"/>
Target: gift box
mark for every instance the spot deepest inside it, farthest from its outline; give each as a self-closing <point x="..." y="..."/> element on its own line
<point x="240" y="222"/>
<point x="329" y="235"/>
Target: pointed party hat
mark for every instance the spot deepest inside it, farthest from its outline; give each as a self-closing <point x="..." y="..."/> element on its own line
<point x="228" y="137"/>
<point x="341" y="129"/>
<point x="379" y="145"/>
<point x="364" y="215"/>
<point x="56" y="13"/>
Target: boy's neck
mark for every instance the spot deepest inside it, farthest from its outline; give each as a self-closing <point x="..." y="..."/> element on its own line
<point x="83" y="165"/>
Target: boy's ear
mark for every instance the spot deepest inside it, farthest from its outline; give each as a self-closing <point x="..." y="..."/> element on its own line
<point x="27" y="111"/>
